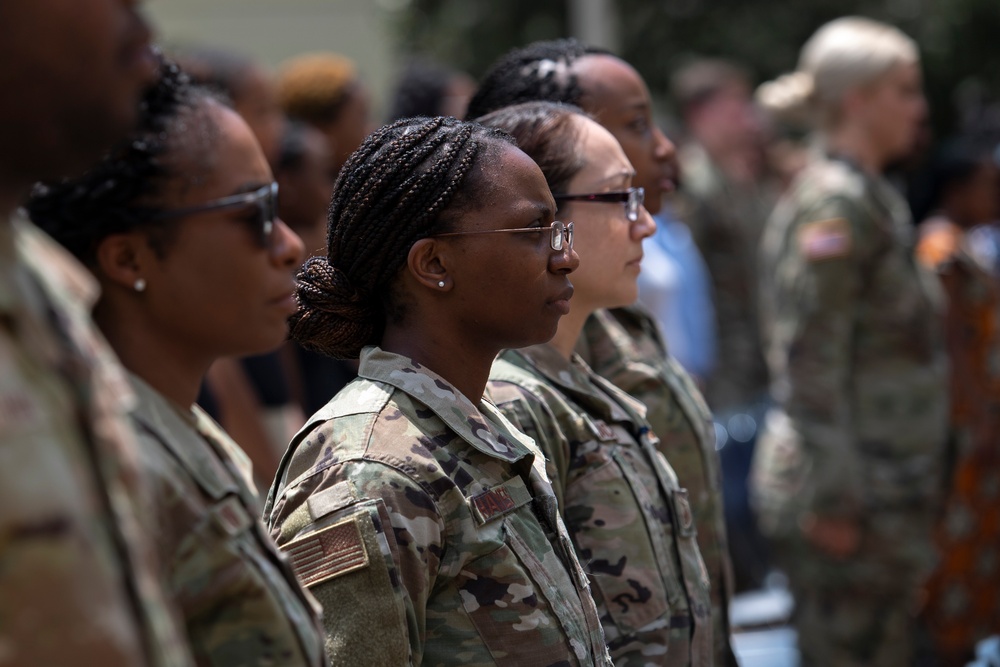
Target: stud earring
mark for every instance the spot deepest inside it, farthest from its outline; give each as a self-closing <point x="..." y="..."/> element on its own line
<point x="139" y="285"/>
<point x="440" y="283"/>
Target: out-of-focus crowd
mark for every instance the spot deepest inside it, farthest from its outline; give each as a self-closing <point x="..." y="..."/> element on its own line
<point x="488" y="438"/>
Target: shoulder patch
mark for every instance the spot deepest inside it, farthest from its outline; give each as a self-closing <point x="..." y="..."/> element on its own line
<point x="328" y="553"/>
<point x="825" y="239"/>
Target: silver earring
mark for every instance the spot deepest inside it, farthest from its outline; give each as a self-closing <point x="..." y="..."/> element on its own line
<point x="139" y="285"/>
<point x="440" y="283"/>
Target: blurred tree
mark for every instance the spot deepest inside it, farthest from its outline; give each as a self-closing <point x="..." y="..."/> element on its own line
<point x="958" y="39"/>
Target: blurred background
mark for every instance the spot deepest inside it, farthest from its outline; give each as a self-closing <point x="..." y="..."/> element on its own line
<point x="957" y="37"/>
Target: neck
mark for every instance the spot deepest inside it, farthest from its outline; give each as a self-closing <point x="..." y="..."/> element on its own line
<point x="465" y="367"/>
<point x="161" y="362"/>
<point x="570" y="328"/>
<point x="851" y="142"/>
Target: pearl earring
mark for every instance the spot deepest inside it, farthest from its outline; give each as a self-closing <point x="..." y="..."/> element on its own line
<point x="139" y="285"/>
<point x="440" y="283"/>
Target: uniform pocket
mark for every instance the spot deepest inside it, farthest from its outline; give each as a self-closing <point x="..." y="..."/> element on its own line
<point x="610" y="532"/>
<point x="512" y="618"/>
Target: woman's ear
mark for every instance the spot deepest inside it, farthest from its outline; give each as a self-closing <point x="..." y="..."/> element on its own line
<point x="124" y="259"/>
<point x="428" y="266"/>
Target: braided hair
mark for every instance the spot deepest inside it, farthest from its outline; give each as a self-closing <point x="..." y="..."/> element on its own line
<point x="539" y="71"/>
<point x="408" y="180"/>
<point x="116" y="195"/>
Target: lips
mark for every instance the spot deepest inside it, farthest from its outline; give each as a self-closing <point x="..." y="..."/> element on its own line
<point x="287" y="302"/>
<point x="561" y="302"/>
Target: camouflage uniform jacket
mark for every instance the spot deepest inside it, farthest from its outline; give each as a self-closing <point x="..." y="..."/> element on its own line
<point x="238" y="596"/>
<point x="629" y="518"/>
<point x="412" y="513"/>
<point x="726" y="221"/>
<point x="624" y="346"/>
<point x="79" y="583"/>
<point x="856" y="349"/>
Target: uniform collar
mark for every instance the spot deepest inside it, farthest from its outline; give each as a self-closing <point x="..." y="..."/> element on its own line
<point x="574" y="378"/>
<point x="483" y="427"/>
<point x="185" y="433"/>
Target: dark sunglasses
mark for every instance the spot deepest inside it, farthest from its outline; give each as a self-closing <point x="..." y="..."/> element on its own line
<point x="632" y="198"/>
<point x="265" y="199"/>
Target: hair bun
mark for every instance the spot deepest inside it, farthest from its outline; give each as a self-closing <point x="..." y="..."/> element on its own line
<point x="333" y="317"/>
<point x="788" y="98"/>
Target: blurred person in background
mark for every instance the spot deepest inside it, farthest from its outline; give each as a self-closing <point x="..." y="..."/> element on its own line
<point x="305" y="177"/>
<point x="625" y="510"/>
<point x="847" y="473"/>
<point x="447" y="546"/>
<point x="179" y="228"/>
<point x="961" y="607"/>
<point x="426" y="88"/>
<point x="325" y="91"/>
<point x="249" y="88"/>
<point x="725" y="199"/>
<point x="252" y="397"/>
<point x="624" y="345"/>
<point x="79" y="581"/>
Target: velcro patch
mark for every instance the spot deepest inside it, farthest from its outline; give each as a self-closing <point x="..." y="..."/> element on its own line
<point x="825" y="239"/>
<point x="328" y="553"/>
<point x="500" y="500"/>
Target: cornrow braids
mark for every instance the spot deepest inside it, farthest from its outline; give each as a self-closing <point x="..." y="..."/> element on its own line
<point x="537" y="72"/>
<point x="407" y="181"/>
<point x="115" y="195"/>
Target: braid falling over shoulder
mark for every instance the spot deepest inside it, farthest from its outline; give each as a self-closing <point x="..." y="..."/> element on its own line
<point x="403" y="184"/>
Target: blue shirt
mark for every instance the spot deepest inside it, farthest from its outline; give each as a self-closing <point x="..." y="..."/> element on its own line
<point x="674" y="285"/>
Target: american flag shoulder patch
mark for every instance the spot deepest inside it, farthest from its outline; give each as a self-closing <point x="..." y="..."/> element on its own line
<point x="825" y="239"/>
<point x="328" y="553"/>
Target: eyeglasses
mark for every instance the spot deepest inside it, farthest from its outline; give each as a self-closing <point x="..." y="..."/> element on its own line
<point x="264" y="198"/>
<point x="632" y="198"/>
<point x="561" y="233"/>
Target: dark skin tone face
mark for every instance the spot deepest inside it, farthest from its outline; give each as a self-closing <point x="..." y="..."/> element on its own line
<point x="214" y="290"/>
<point x="501" y="290"/>
<point x="615" y="94"/>
<point x="306" y="189"/>
<point x="74" y="72"/>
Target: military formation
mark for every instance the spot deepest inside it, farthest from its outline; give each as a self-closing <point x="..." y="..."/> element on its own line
<point x="520" y="474"/>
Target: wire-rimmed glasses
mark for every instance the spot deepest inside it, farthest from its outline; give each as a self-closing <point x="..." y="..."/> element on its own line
<point x="561" y="233"/>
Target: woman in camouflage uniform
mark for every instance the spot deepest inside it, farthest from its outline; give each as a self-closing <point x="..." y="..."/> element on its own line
<point x="409" y="505"/>
<point x="848" y="469"/>
<point x="179" y="227"/>
<point x="627" y="513"/>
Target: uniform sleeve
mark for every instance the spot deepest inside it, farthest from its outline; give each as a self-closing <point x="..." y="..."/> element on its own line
<point x="818" y="282"/>
<point x="366" y="541"/>
<point x="533" y="417"/>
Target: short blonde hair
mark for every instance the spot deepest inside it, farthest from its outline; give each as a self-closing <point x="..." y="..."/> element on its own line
<point x="314" y="86"/>
<point x="843" y="55"/>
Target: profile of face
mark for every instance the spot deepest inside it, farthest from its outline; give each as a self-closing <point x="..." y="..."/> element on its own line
<point x="728" y="120"/>
<point x="892" y="109"/>
<point x="74" y="73"/>
<point x="352" y="125"/>
<point x="257" y="101"/>
<point x="216" y="286"/>
<point x="615" y="94"/>
<point x="508" y="290"/>
<point x="306" y="188"/>
<point x="608" y="243"/>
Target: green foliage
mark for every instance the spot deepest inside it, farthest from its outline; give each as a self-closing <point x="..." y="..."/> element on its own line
<point x="958" y="38"/>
